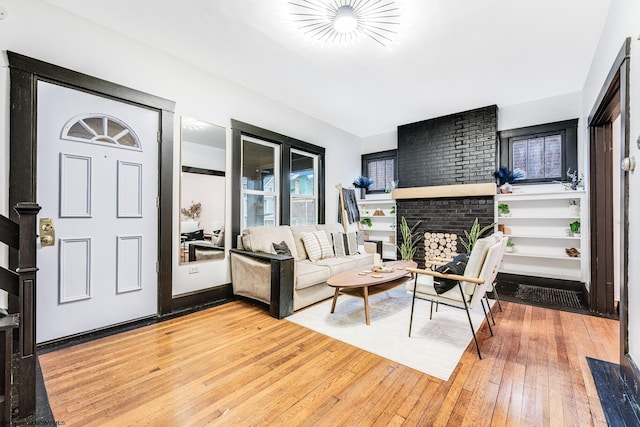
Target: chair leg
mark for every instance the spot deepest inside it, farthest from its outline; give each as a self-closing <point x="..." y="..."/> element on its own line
<point x="466" y="308"/>
<point x="431" y="311"/>
<point x="495" y="294"/>
<point x="413" y="303"/>
<point x="486" y="316"/>
<point x="490" y="310"/>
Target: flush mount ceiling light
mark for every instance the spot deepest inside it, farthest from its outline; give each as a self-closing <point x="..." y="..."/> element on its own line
<point x="341" y="21"/>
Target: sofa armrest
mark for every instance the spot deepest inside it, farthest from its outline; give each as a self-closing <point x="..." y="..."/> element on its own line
<point x="276" y="287"/>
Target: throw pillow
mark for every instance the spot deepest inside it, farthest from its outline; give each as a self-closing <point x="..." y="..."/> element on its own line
<point x="455" y="266"/>
<point x="317" y="245"/>
<point x="281" y="248"/>
<point x="345" y="244"/>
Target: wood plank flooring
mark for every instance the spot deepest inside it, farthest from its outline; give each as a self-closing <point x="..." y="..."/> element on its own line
<point x="234" y="365"/>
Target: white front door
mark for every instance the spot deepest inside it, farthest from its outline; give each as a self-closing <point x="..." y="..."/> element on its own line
<point x="97" y="178"/>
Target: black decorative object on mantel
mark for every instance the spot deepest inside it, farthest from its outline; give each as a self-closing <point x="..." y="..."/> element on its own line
<point x="363" y="183"/>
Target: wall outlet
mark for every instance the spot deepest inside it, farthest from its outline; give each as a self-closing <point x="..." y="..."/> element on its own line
<point x="193" y="270"/>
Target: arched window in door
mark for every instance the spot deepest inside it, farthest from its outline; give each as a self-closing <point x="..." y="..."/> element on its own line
<point x="101" y="129"/>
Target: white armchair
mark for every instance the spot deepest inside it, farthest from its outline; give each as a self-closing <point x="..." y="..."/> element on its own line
<point x="472" y="285"/>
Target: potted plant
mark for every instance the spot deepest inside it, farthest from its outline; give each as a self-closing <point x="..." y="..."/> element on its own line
<point x="410" y="239"/>
<point x="575" y="228"/>
<point x="474" y="234"/>
<point x="192" y="212"/>
<point x="503" y="209"/>
<point x="510" y="246"/>
<point x="506" y="177"/>
<point x="363" y="183"/>
<point x="366" y="221"/>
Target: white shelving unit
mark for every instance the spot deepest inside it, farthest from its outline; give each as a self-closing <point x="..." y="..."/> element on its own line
<point x="383" y="227"/>
<point x="538" y="226"/>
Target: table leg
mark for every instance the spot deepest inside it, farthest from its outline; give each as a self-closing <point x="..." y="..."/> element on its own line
<point x="335" y="298"/>
<point x="365" y="296"/>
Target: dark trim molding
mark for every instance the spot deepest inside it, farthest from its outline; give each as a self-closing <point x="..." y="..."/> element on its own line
<point x="287" y="143"/>
<point x="201" y="171"/>
<point x="380" y="155"/>
<point x="569" y="130"/>
<point x="216" y="295"/>
<point x="25" y="72"/>
<point x="605" y="108"/>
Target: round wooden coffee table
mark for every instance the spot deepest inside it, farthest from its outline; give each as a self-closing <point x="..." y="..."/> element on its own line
<point x="362" y="282"/>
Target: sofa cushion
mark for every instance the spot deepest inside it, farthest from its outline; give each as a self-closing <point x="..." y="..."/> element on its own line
<point x="345" y="244"/>
<point x="317" y="245"/>
<point x="308" y="274"/>
<point x="338" y="265"/>
<point x="362" y="260"/>
<point x="260" y="239"/>
<point x="330" y="228"/>
<point x="297" y="231"/>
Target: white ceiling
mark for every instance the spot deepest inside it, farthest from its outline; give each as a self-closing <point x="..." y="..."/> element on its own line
<point x="452" y="55"/>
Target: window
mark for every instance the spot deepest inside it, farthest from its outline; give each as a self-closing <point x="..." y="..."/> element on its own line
<point x="260" y="182"/>
<point x="100" y="129"/>
<point x="543" y="152"/>
<point x="303" y="188"/>
<point x="275" y="179"/>
<point x="381" y="168"/>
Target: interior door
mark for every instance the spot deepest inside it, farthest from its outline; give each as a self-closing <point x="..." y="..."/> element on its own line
<point x="97" y="175"/>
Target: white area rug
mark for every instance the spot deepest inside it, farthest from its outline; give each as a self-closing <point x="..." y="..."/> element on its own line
<point x="435" y="346"/>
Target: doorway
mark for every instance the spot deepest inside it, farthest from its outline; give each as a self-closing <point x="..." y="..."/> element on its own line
<point x="26" y="74"/>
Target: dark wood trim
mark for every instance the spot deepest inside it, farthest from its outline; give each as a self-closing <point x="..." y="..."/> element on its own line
<point x="569" y="131"/>
<point x="614" y="98"/>
<point x="201" y="171"/>
<point x="85" y="82"/>
<point x="214" y="296"/>
<point x="165" y="214"/>
<point x="236" y="184"/>
<point x="380" y="155"/>
<point x="9" y="232"/>
<point x="25" y="72"/>
<point x="286" y="143"/>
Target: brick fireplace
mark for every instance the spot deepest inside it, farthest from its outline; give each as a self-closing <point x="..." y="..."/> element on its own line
<point x="455" y="149"/>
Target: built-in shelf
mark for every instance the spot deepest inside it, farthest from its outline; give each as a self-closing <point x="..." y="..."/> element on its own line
<point x="538" y="224"/>
<point x="531" y="255"/>
<point x="383" y="226"/>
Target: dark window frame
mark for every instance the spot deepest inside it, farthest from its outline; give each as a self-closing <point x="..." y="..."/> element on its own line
<point x="286" y="143"/>
<point x="568" y="130"/>
<point x="378" y="156"/>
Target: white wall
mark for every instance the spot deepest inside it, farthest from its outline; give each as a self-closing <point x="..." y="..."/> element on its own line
<point x="381" y="142"/>
<point x="39" y="30"/>
<point x="622" y="22"/>
<point x="541" y="111"/>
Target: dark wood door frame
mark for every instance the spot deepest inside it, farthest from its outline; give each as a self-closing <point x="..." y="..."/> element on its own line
<point x="613" y="100"/>
<point x="25" y="73"/>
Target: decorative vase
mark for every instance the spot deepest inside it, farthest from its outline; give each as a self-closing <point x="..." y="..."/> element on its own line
<point x="506" y="188"/>
<point x="508" y="249"/>
<point x="363" y="193"/>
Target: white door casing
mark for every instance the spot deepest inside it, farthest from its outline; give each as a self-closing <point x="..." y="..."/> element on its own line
<point x="97" y="177"/>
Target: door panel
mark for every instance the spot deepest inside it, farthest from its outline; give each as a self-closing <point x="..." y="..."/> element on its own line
<point x="98" y="178"/>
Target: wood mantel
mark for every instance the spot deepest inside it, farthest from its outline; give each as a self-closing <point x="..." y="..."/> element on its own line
<point x="440" y="191"/>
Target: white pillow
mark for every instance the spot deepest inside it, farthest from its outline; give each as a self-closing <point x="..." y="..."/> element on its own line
<point x="317" y="245"/>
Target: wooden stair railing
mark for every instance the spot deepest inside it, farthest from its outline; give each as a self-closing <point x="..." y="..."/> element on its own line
<point x="20" y="285"/>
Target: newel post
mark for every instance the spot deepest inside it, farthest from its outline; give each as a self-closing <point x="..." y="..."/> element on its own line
<point x="27" y="269"/>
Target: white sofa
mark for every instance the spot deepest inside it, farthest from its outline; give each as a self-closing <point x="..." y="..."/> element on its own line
<point x="288" y="283"/>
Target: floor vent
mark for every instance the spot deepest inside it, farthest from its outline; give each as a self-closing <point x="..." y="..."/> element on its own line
<point x="549" y="296"/>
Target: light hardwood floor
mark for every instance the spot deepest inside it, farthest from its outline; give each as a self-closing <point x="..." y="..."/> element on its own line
<point x="234" y="365"/>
